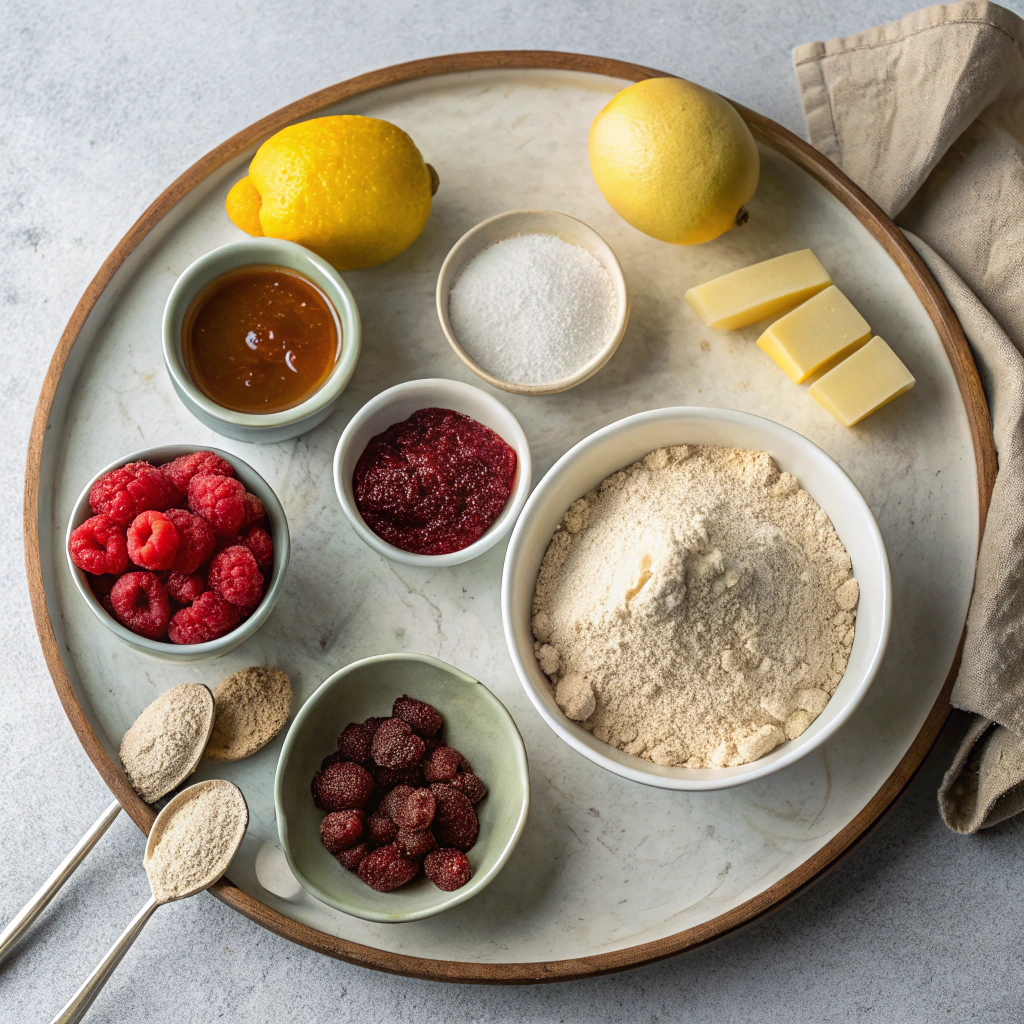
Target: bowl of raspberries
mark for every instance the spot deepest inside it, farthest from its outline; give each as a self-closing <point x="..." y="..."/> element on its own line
<point x="402" y="788"/>
<point x="179" y="551"/>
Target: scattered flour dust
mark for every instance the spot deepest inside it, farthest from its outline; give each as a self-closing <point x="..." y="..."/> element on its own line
<point x="696" y="609"/>
<point x="533" y="308"/>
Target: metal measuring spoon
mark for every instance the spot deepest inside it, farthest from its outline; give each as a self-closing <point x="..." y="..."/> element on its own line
<point x="181" y="885"/>
<point x="22" y="921"/>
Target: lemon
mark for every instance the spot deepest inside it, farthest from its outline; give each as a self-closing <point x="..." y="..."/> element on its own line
<point x="353" y="189"/>
<point x="674" y="160"/>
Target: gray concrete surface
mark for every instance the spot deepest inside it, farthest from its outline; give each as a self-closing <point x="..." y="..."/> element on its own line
<point x="103" y="104"/>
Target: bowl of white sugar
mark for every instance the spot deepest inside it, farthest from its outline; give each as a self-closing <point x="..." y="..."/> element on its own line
<point x="532" y="301"/>
<point x="696" y="598"/>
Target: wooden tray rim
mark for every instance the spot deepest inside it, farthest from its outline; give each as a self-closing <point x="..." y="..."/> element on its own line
<point x="766" y="131"/>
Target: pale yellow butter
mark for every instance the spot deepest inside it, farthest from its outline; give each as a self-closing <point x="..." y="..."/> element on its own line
<point x="758" y="291"/>
<point x="862" y="384"/>
<point x="816" y="335"/>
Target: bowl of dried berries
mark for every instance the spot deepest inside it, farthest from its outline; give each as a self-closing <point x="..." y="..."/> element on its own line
<point x="180" y="552"/>
<point x="402" y="789"/>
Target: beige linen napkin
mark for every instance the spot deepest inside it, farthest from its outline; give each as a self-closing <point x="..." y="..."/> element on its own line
<point x="927" y="116"/>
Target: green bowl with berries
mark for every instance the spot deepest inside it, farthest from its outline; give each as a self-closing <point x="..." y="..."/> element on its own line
<point x="475" y="835"/>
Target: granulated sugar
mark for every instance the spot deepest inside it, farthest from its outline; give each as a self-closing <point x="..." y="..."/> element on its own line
<point x="194" y="839"/>
<point x="696" y="609"/>
<point x="533" y="309"/>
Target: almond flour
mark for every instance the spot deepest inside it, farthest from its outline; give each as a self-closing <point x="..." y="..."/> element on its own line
<point x="696" y="609"/>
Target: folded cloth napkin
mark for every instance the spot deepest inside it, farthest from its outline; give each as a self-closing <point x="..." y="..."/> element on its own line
<point x="927" y="116"/>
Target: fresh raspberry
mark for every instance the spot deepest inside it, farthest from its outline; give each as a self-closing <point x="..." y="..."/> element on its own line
<point x="185" y="589"/>
<point x="236" y="577"/>
<point x="181" y="470"/>
<point x="387" y="869"/>
<point x="138" y="487"/>
<point x="258" y="541"/>
<point x="444" y="764"/>
<point x="355" y="742"/>
<point x="424" y="719"/>
<point x="99" y="546"/>
<point x="139" y="600"/>
<point x="102" y="585"/>
<point x="380" y="829"/>
<point x="341" y="829"/>
<point x="342" y="786"/>
<point x="455" y="822"/>
<point x="415" y="812"/>
<point x="207" y="618"/>
<point x="352" y="858"/>
<point x="448" y="869"/>
<point x="388" y="778"/>
<point x="469" y="786"/>
<point x="152" y="541"/>
<point x="220" y="500"/>
<point x="416" y="844"/>
<point x="395" y="745"/>
<point x="254" y="510"/>
<point x="195" y="540"/>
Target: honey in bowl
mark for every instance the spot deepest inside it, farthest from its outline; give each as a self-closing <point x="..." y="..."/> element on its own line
<point x="260" y="339"/>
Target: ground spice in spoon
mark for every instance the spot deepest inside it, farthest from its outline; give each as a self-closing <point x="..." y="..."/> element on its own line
<point x="194" y="839"/>
<point x="252" y="707"/>
<point x="165" y="743"/>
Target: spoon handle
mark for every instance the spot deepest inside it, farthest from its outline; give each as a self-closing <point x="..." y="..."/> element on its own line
<point x="11" y="935"/>
<point x="83" y="998"/>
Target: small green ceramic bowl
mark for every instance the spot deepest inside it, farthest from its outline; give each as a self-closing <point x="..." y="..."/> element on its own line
<point x="475" y="723"/>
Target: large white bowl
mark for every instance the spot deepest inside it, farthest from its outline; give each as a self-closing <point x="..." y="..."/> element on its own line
<point x="398" y="404"/>
<point x="624" y="442"/>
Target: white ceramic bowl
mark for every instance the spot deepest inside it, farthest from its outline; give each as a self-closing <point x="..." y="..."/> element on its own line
<point x="624" y="442"/>
<point x="530" y="222"/>
<point x="278" y="534"/>
<point x="274" y="426"/>
<point x="399" y="403"/>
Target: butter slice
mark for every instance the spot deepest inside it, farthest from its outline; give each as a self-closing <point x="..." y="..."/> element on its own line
<point x="759" y="291"/>
<point x="862" y="384"/>
<point x="816" y="335"/>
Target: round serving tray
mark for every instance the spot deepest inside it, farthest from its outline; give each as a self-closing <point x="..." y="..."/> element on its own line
<point x="608" y="874"/>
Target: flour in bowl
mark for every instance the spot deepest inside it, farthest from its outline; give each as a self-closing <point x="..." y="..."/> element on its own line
<point x="696" y="609"/>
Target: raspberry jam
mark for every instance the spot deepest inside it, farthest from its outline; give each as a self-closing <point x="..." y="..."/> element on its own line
<point x="433" y="483"/>
<point x="260" y="339"/>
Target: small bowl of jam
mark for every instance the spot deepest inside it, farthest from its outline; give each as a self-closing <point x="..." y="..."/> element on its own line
<point x="260" y="338"/>
<point x="433" y="472"/>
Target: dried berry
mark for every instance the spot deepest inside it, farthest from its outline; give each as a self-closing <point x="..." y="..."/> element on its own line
<point x="220" y="500"/>
<point x="195" y="540"/>
<point x="395" y="745"/>
<point x="388" y="778"/>
<point x="423" y="719"/>
<point x="374" y="724"/>
<point x="355" y="742"/>
<point x="352" y="858"/>
<point x="448" y="869"/>
<point x="207" y="618"/>
<point x="380" y="829"/>
<point x="258" y="541"/>
<point x="181" y="470"/>
<point x="152" y="541"/>
<point x="99" y="546"/>
<point x="455" y="821"/>
<point x="333" y="759"/>
<point x="341" y="829"/>
<point x="444" y="764"/>
<point x="469" y="786"/>
<point x="415" y="811"/>
<point x="140" y="602"/>
<point x="416" y="844"/>
<point x="394" y="798"/>
<point x="236" y="577"/>
<point x="387" y="869"/>
<point x="185" y="589"/>
<point x="123" y="493"/>
<point x="254" y="510"/>
<point x="341" y="786"/>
